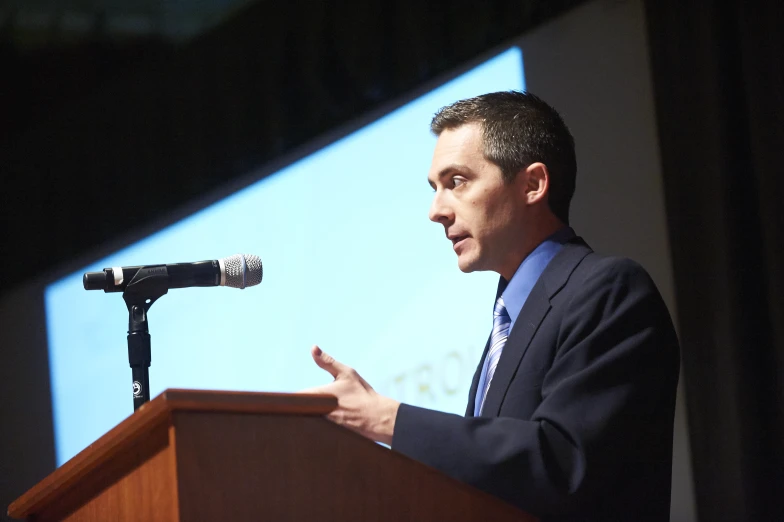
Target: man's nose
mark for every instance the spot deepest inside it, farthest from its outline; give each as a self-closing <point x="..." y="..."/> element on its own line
<point x="440" y="210"/>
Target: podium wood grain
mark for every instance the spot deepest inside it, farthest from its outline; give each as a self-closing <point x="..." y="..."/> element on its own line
<point x="196" y="455"/>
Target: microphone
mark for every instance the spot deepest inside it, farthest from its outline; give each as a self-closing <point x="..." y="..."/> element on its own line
<point x="237" y="271"/>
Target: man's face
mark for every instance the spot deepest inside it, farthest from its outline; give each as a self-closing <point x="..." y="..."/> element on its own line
<point x="483" y="216"/>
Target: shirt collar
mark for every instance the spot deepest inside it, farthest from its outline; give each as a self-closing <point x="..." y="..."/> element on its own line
<point x="524" y="279"/>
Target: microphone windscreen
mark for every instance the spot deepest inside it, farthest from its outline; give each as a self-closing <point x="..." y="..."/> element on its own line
<point x="243" y="270"/>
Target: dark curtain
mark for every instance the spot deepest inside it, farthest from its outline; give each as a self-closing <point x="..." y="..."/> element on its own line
<point x="719" y="86"/>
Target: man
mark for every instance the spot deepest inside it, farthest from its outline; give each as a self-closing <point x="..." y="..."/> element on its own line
<point x="570" y="414"/>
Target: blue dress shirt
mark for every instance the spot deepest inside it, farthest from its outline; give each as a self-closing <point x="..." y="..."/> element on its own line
<point x="521" y="284"/>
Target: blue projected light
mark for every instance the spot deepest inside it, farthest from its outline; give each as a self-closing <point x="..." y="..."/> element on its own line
<point x="351" y="262"/>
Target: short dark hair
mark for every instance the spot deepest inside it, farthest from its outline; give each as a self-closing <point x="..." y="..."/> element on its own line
<point x="518" y="129"/>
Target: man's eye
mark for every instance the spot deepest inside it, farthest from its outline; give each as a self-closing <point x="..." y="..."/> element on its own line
<point x="457" y="181"/>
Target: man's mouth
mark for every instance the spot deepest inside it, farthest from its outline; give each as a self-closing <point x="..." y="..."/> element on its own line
<point x="457" y="240"/>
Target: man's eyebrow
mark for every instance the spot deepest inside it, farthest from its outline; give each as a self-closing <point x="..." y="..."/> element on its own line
<point x="453" y="167"/>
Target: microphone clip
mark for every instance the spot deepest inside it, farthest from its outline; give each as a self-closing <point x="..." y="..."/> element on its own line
<point x="148" y="284"/>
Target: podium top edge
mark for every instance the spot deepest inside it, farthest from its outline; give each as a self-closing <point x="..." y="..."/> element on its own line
<point x="151" y="416"/>
<point x="175" y="399"/>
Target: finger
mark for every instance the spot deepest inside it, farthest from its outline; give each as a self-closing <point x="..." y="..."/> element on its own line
<point x="328" y="363"/>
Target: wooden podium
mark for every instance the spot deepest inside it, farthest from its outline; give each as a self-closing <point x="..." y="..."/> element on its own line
<point x="192" y="455"/>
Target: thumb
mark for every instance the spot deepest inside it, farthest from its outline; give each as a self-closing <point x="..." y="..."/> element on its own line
<point x="327" y="362"/>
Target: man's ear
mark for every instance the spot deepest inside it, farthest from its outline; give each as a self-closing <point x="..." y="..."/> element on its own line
<point x="537" y="183"/>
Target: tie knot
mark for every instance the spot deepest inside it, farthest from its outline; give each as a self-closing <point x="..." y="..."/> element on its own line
<point x="500" y="308"/>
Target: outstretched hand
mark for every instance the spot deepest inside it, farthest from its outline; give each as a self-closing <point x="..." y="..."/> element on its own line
<point x="360" y="408"/>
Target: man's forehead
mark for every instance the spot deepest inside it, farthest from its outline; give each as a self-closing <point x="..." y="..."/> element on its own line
<point x="454" y="146"/>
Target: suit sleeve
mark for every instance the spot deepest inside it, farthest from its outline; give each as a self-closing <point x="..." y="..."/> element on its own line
<point x="607" y="404"/>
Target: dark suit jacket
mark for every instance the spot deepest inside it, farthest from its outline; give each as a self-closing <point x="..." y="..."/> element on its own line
<point x="578" y="420"/>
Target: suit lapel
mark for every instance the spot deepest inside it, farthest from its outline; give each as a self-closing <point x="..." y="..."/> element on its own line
<point x="534" y="311"/>
<point x="475" y="382"/>
<point x="531" y="316"/>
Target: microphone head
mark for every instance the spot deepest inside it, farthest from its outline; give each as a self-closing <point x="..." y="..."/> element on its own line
<point x="241" y="270"/>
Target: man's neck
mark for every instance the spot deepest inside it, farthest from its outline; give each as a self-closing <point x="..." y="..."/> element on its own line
<point x="536" y="237"/>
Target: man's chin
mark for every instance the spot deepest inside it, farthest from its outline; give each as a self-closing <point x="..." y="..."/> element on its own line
<point x="467" y="265"/>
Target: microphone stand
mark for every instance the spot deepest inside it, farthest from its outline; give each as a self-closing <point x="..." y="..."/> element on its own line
<point x="147" y="285"/>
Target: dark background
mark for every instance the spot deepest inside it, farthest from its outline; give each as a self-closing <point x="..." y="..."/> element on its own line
<point x="106" y="128"/>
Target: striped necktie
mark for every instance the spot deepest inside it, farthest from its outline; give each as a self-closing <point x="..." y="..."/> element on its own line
<point x="500" y="333"/>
